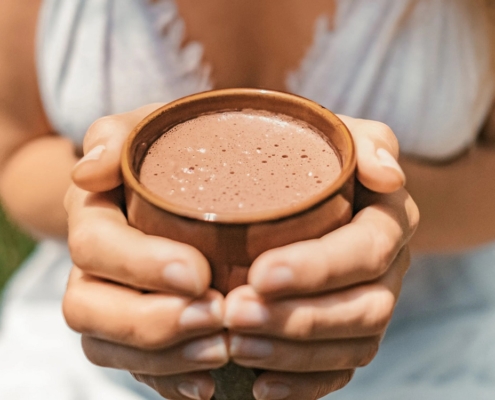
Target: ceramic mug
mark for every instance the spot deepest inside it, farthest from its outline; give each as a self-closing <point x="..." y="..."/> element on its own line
<point x="232" y="241"/>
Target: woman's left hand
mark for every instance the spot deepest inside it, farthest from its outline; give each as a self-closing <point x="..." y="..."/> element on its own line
<point x="314" y="311"/>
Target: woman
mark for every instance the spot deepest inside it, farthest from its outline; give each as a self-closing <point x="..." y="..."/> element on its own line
<point x="394" y="61"/>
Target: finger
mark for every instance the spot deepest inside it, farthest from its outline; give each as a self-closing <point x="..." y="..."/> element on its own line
<point x="360" y="251"/>
<point x="99" y="169"/>
<point x="290" y="356"/>
<point x="197" y="355"/>
<point x="123" y="315"/>
<point x="359" y="311"/>
<point x="192" y="386"/>
<point x="377" y="153"/>
<point x="102" y="244"/>
<point x="305" y="386"/>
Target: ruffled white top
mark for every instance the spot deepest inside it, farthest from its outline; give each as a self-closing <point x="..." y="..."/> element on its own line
<point x="421" y="66"/>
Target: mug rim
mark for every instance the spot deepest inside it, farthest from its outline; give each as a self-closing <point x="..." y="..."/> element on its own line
<point x="348" y="167"/>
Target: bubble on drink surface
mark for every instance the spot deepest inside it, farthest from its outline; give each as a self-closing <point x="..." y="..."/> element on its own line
<point x="233" y="167"/>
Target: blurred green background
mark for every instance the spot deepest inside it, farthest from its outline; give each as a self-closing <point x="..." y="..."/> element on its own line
<point x="15" y="246"/>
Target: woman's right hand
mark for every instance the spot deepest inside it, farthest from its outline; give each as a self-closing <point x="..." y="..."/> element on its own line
<point x="142" y="303"/>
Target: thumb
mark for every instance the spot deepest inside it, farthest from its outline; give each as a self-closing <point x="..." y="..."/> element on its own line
<point x="99" y="169"/>
<point x="377" y="153"/>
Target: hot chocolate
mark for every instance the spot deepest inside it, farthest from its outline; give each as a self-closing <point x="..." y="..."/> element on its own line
<point x="239" y="161"/>
<point x="210" y="177"/>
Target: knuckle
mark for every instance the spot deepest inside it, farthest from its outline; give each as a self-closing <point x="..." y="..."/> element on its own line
<point x="136" y="376"/>
<point x="150" y="381"/>
<point x="128" y="273"/>
<point x="310" y="359"/>
<point x="146" y="329"/>
<point x="149" y="340"/>
<point x="344" y="377"/>
<point x="403" y="259"/>
<point x="413" y="214"/>
<point x="380" y="127"/>
<point x="162" y="390"/>
<point x="80" y="240"/>
<point x="165" y="386"/>
<point x="103" y="127"/>
<point x="370" y="351"/>
<point x="146" y="338"/>
<point x="68" y="198"/>
<point x="93" y="352"/>
<point x="71" y="302"/>
<point x="307" y="324"/>
<point x="336" y="381"/>
<point x="326" y="387"/>
<point x="379" y="255"/>
<point x="379" y="311"/>
<point x="385" y="133"/>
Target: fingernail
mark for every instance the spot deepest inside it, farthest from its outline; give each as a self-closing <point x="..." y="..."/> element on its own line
<point x="201" y="314"/>
<point x="247" y="313"/>
<point x="92" y="155"/>
<point x="387" y="160"/>
<point x="189" y="390"/>
<point x="182" y="277"/>
<point x="274" y="278"/>
<point x="245" y="347"/>
<point x="206" y="350"/>
<point x="271" y="391"/>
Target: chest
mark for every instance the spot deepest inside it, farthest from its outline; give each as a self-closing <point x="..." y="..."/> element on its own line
<point x="423" y="67"/>
<point x="252" y="43"/>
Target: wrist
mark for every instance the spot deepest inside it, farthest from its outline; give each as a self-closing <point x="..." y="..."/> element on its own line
<point x="33" y="183"/>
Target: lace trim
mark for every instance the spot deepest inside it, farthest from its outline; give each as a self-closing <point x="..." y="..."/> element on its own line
<point x="186" y="59"/>
<point x="321" y="43"/>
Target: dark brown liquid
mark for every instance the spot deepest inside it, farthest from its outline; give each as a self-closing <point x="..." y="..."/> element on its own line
<point x="239" y="161"/>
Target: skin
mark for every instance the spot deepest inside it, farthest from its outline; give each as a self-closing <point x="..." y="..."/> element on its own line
<point x="166" y="326"/>
<point x="467" y="219"/>
<point x="29" y="151"/>
<point x="347" y="301"/>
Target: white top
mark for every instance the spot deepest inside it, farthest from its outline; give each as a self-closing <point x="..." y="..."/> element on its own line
<point x="424" y="70"/>
<point x="421" y="66"/>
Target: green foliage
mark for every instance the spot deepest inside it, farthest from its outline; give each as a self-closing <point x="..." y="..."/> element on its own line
<point x="14" y="247"/>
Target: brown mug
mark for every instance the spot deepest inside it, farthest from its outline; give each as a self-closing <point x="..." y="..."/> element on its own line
<point x="232" y="241"/>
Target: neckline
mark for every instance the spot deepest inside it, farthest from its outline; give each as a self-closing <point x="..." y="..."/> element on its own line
<point x="171" y="28"/>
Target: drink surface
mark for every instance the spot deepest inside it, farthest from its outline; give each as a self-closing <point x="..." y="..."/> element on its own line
<point x="239" y="161"/>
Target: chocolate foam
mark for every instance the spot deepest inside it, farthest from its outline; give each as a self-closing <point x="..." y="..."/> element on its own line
<point x="239" y="161"/>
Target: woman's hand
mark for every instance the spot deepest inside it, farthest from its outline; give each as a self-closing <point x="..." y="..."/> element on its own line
<point x="128" y="296"/>
<point x="142" y="303"/>
<point x="314" y="311"/>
